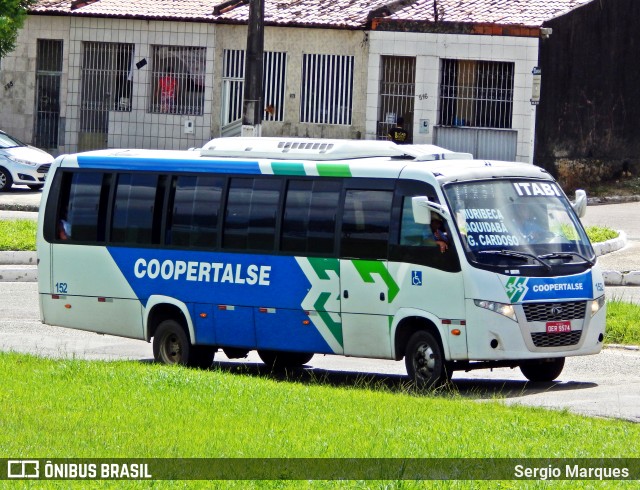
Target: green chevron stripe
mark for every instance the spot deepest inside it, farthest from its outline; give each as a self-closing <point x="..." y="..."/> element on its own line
<point x="321" y="266"/>
<point x="367" y="268"/>
<point x="288" y="168"/>
<point x="333" y="170"/>
<point x="334" y="327"/>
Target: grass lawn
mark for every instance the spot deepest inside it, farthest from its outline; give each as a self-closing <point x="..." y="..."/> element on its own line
<point x="82" y="409"/>
<point x="18" y="235"/>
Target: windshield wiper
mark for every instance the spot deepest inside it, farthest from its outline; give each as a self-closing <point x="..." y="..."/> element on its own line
<point x="567" y="255"/>
<point x="519" y="255"/>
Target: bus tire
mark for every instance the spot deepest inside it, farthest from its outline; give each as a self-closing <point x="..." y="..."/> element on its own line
<point x="171" y="345"/>
<point x="280" y="360"/>
<point x="425" y="362"/>
<point x="541" y="370"/>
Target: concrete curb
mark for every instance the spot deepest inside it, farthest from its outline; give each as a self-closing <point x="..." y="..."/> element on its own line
<point x="595" y="201"/>
<point x="17" y="273"/>
<point x="18" y="258"/>
<point x="617" y="278"/>
<point x="612" y="245"/>
<point x="622" y="347"/>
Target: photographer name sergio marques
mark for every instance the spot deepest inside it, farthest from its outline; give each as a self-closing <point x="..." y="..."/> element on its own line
<point x="570" y="471"/>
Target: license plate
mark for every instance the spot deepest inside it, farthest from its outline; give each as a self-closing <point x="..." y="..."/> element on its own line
<point x="558" y="327"/>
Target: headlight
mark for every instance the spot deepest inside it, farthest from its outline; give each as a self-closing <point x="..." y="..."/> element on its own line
<point x="23" y="162"/>
<point x="596" y="304"/>
<point x="501" y="308"/>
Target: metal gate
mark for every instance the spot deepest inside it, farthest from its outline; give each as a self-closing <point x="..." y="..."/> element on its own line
<point x="274" y="70"/>
<point x="397" y="94"/>
<point x="47" y="104"/>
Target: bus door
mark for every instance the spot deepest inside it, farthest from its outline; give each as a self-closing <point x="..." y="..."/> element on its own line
<point x="366" y="287"/>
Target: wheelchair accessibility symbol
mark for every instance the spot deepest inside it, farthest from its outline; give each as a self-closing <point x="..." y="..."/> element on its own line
<point x="416" y="278"/>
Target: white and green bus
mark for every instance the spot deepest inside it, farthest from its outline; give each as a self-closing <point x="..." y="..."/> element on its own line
<point x="295" y="247"/>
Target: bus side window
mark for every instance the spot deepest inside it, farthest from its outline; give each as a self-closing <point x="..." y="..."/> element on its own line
<point x="250" y="217"/>
<point x="80" y="207"/>
<point x="365" y="224"/>
<point x="309" y="220"/>
<point x="134" y="209"/>
<point x="417" y="243"/>
<point x="411" y="233"/>
<point x="193" y="216"/>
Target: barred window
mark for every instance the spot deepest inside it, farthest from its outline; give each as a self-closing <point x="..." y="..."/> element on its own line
<point x="177" y="79"/>
<point x="476" y="93"/>
<point x="327" y="89"/>
<point x="274" y="70"/>
<point x="48" y="76"/>
<point x="397" y="94"/>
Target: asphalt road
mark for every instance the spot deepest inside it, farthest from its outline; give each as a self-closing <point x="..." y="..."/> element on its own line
<point x="604" y="385"/>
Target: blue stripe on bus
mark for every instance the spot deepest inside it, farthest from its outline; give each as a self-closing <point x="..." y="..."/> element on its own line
<point x="168" y="164"/>
<point x="233" y="290"/>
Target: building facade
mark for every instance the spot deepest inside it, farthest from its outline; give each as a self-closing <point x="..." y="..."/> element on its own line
<point x="105" y="73"/>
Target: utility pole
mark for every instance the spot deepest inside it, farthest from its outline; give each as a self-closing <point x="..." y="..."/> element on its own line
<point x="252" y="108"/>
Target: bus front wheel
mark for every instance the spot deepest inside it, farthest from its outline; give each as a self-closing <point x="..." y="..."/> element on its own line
<point x="171" y="346"/>
<point x="280" y="360"/>
<point x="425" y="361"/>
<point x="541" y="370"/>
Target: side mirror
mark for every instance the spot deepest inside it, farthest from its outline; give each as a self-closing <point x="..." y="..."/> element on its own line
<point x="422" y="209"/>
<point x="580" y="204"/>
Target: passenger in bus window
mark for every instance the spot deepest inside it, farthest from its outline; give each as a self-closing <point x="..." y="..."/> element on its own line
<point x="440" y="234"/>
<point x="64" y="227"/>
<point x="532" y="229"/>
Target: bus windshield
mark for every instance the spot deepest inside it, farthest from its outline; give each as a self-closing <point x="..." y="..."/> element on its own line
<point x="518" y="223"/>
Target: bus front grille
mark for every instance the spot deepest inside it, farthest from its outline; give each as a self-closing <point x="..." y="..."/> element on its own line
<point x="549" y="312"/>
<point x="543" y="339"/>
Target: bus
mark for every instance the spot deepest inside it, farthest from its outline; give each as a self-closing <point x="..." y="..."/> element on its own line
<point x="294" y="247"/>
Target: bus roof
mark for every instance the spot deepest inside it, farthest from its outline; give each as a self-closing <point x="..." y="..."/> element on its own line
<point x="323" y="149"/>
<point x="307" y="156"/>
<point x="299" y="148"/>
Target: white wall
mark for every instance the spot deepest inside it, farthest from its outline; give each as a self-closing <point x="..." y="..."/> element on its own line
<point x="18" y="75"/>
<point x="139" y="128"/>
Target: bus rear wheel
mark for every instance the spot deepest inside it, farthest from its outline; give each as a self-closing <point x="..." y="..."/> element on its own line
<point x="541" y="370"/>
<point x="171" y="346"/>
<point x="280" y="360"/>
<point x="425" y="361"/>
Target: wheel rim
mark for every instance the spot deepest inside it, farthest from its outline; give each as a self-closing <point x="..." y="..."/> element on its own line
<point x="171" y="349"/>
<point x="424" y="362"/>
<point x="3" y="180"/>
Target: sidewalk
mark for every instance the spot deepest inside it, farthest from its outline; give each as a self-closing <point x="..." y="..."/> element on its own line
<point x="619" y="258"/>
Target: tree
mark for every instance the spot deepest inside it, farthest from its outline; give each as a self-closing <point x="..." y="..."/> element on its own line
<point x="12" y="16"/>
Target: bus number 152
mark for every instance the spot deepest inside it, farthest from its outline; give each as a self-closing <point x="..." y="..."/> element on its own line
<point x="61" y="287"/>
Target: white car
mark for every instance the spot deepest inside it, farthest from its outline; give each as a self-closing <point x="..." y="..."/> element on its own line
<point x="22" y="164"/>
